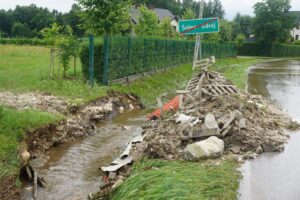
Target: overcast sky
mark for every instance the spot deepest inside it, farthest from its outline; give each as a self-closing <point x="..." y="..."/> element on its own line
<point x="231" y="6"/>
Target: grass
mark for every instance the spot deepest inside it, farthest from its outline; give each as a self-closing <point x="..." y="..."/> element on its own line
<point x="26" y="68"/>
<point x="236" y="69"/>
<point x="178" y="180"/>
<point x="13" y="125"/>
<point x="167" y="81"/>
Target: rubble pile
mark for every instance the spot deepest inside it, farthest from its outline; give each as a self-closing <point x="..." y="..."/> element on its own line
<point x="248" y="125"/>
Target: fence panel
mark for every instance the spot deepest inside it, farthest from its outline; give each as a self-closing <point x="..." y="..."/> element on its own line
<point x="122" y="57"/>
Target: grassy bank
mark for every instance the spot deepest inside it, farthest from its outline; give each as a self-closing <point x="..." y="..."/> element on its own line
<point x="235" y="69"/>
<point x="13" y="126"/>
<point x="158" y="179"/>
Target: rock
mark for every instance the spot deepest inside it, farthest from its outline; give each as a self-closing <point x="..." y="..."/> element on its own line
<point x="259" y="150"/>
<point x="273" y="144"/>
<point x="235" y="149"/>
<point x="210" y="148"/>
<point x="121" y="109"/>
<point x="131" y="107"/>
<point x="242" y="123"/>
<point x="182" y="118"/>
<point x="25" y="156"/>
<point x="197" y="133"/>
<point x="209" y="128"/>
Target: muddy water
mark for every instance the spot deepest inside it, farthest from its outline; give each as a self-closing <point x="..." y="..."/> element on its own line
<point x="275" y="176"/>
<point x="72" y="171"/>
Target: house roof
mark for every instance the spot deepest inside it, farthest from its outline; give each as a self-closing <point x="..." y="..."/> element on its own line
<point x="161" y="14"/>
<point x="297" y="13"/>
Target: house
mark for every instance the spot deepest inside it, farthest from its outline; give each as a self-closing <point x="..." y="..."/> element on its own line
<point x="296" y="31"/>
<point x="161" y="14"/>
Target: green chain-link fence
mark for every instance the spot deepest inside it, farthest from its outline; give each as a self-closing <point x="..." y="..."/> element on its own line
<point x="126" y="56"/>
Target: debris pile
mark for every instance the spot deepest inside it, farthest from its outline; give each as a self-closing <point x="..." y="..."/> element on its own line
<point x="211" y="117"/>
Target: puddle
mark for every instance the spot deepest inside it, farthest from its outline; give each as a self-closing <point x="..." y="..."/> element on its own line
<point x="72" y="171"/>
<point x="275" y="176"/>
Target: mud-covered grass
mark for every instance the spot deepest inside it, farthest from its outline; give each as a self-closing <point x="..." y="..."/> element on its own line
<point x="160" y="179"/>
<point x="26" y="68"/>
<point x="236" y="69"/>
<point x="13" y="126"/>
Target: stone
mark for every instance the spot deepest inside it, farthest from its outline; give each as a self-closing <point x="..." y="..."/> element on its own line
<point x="121" y="109"/>
<point x="25" y="156"/>
<point x="274" y="143"/>
<point x="209" y="128"/>
<point x="197" y="133"/>
<point x="210" y="148"/>
<point x="259" y="150"/>
<point x="131" y="107"/>
<point x="242" y="123"/>
<point x="235" y="149"/>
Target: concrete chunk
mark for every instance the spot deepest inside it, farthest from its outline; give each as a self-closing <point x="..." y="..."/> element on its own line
<point x="210" y="148"/>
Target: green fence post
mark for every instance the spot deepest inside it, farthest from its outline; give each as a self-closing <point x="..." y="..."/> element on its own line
<point x="145" y="54"/>
<point x="106" y="60"/>
<point x="91" y="59"/>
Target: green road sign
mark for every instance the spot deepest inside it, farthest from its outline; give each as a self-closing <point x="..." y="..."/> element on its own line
<point x="196" y="26"/>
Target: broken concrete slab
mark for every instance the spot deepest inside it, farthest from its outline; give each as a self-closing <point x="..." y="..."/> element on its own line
<point x="210" y="148"/>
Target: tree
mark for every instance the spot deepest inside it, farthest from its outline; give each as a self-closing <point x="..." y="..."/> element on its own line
<point x="148" y="23"/>
<point x="242" y="24"/>
<point x="217" y="9"/>
<point x="106" y="17"/>
<point x="34" y="17"/>
<point x="173" y="5"/>
<point x="20" y="30"/>
<point x="272" y="23"/>
<point x="189" y="14"/>
<point x="225" y="34"/>
<point x="240" y="39"/>
<point x="165" y="28"/>
<point x="6" y="22"/>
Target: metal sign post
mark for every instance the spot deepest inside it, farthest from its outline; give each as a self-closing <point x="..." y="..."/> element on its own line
<point x="198" y="50"/>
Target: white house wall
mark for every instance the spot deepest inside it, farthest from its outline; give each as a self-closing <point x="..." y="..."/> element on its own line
<point x="296" y="33"/>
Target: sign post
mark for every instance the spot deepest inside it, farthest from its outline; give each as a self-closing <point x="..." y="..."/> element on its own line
<point x="197" y="26"/>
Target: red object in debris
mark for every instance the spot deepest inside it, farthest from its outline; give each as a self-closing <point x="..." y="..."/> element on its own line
<point x="171" y="105"/>
<point x="105" y="178"/>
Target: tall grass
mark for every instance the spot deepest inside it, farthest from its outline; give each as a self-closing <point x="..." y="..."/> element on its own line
<point x="158" y="179"/>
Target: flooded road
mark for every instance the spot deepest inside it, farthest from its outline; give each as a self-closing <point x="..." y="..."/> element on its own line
<point x="73" y="170"/>
<point x="275" y="176"/>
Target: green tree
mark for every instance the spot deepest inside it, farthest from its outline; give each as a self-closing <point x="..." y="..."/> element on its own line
<point x="189" y="14"/>
<point x="225" y="34"/>
<point x="240" y="39"/>
<point x="242" y="24"/>
<point x="273" y="22"/>
<point x="165" y="28"/>
<point x="106" y="17"/>
<point x="6" y="22"/>
<point x="20" y="30"/>
<point x="148" y="23"/>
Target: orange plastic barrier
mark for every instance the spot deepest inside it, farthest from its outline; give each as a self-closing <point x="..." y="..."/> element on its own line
<point x="171" y="105"/>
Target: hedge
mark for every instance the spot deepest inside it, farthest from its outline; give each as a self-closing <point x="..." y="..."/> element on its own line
<point x="22" y="41"/>
<point x="277" y="50"/>
<point x="134" y="55"/>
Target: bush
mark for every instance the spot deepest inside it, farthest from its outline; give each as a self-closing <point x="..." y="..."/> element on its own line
<point x="22" y="41"/>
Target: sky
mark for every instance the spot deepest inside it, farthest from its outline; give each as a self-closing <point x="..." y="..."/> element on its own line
<point x="232" y="7"/>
